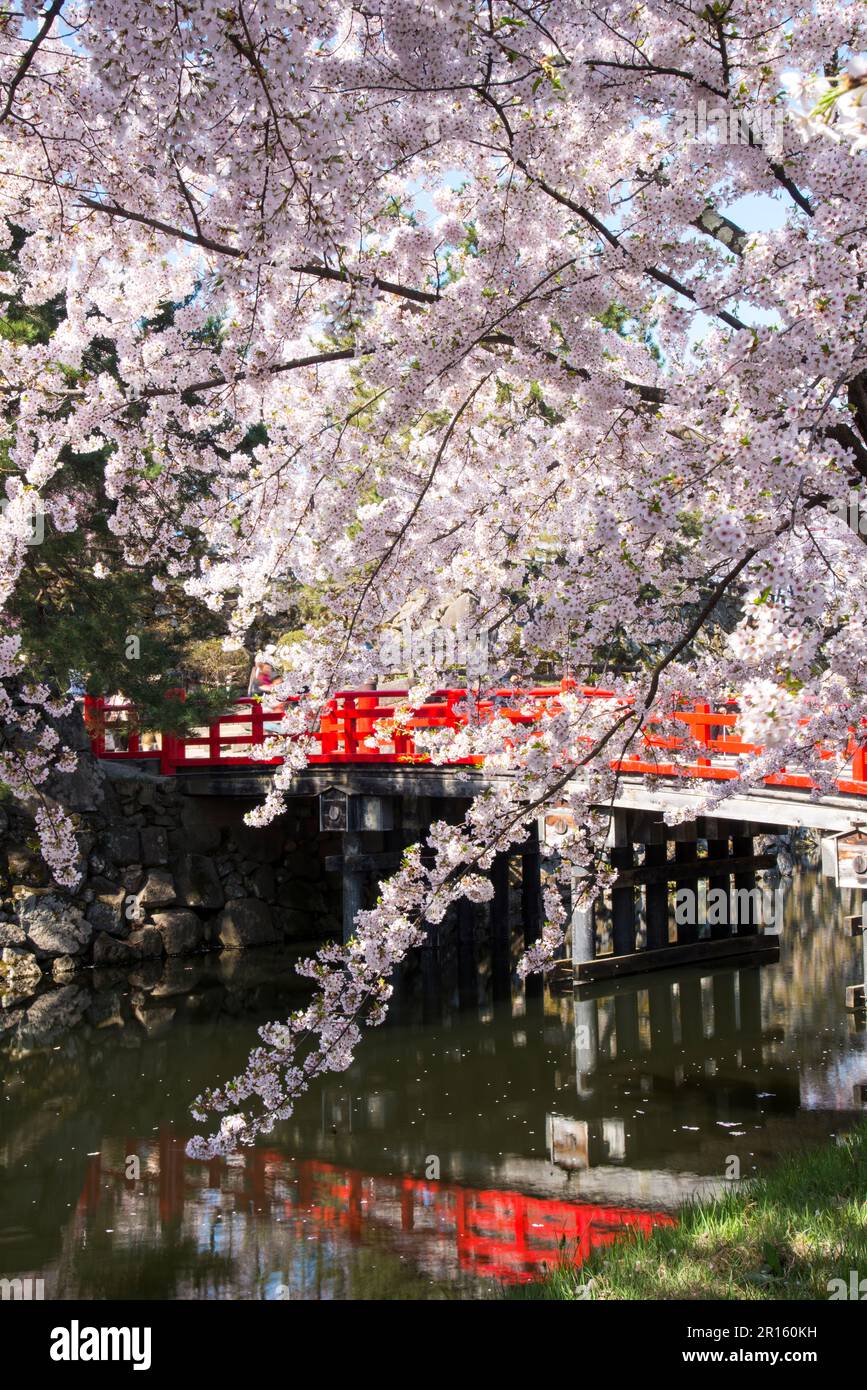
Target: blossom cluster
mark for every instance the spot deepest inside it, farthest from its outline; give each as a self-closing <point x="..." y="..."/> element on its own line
<point x="455" y="319"/>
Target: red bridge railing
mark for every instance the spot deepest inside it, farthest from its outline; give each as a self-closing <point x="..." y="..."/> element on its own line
<point x="349" y="720"/>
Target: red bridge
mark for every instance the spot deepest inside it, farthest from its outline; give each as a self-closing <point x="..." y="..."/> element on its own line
<point x="707" y="737"/>
<point x="496" y="1234"/>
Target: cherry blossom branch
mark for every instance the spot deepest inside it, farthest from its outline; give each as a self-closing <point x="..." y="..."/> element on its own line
<point x="24" y="66"/>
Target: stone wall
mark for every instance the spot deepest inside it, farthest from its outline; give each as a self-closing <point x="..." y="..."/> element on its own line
<point x="164" y="875"/>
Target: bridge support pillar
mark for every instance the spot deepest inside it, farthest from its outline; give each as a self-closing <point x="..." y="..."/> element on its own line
<point x="719" y="883"/>
<point x="724" y="1012"/>
<point x="694" y="945"/>
<point x="531" y="904"/>
<point x="661" y="1021"/>
<point x="747" y="917"/>
<point x="686" y="852"/>
<point x="531" y="887"/>
<point x="626" y="1026"/>
<point x="583" y="925"/>
<point x="353" y="882"/>
<point x="501" y="938"/>
<point x="689" y="998"/>
<point x="586" y="1044"/>
<point x="856" y="995"/>
<point x="623" y="897"/>
<point x="466" y="942"/>
<point x="430" y="976"/>
<point x="656" y="900"/>
<point x="416" y="814"/>
<point x="750" y="1016"/>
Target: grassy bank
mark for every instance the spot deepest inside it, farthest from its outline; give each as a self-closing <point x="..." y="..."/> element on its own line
<point x="782" y="1236"/>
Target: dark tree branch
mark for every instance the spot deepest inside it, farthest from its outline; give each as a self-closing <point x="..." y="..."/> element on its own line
<point x="222" y="248"/>
<point x="50" y="16"/>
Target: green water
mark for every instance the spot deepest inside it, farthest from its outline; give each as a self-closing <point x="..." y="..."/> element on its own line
<point x="471" y="1135"/>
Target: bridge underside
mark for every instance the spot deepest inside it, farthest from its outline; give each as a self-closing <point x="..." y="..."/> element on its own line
<point x="771" y="807"/>
<point x="766" y="807"/>
<point x="388" y="806"/>
<point x="386" y="779"/>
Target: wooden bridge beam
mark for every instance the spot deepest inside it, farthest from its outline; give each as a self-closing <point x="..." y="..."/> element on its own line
<point x="692" y="953"/>
<point x="691" y="868"/>
<point x="656" y="874"/>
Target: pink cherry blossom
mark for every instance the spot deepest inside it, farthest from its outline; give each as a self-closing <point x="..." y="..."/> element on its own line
<point x="503" y="344"/>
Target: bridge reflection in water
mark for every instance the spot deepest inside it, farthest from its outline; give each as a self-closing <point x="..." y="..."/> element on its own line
<point x="444" y="1228"/>
<point x="556" y="1116"/>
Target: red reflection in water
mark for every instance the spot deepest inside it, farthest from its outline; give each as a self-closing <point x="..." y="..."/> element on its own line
<point x="496" y="1233"/>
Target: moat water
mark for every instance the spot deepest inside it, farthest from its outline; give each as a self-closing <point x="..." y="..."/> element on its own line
<point x="471" y="1137"/>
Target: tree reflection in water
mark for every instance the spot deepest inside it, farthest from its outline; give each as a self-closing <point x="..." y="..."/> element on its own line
<point x="549" y="1117"/>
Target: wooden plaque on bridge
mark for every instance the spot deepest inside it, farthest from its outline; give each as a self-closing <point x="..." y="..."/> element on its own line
<point x="844" y="858"/>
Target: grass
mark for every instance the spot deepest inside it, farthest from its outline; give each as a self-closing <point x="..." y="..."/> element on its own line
<point x="782" y="1236"/>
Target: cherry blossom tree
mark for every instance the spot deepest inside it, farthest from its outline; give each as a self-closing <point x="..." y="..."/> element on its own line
<point x="508" y="333"/>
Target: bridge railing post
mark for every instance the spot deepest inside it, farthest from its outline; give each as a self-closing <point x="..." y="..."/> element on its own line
<point x="133" y="738"/>
<point x="171" y="747"/>
<point x="366" y="722"/>
<point x="349" y="732"/>
<point x="859" y="759"/>
<point x="168" y="755"/>
<point x="94" y="717"/>
<point x="214" y="740"/>
<point x="701" y="731"/>
<point x="257" y="723"/>
<point x="329" y="725"/>
<point x="404" y="745"/>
